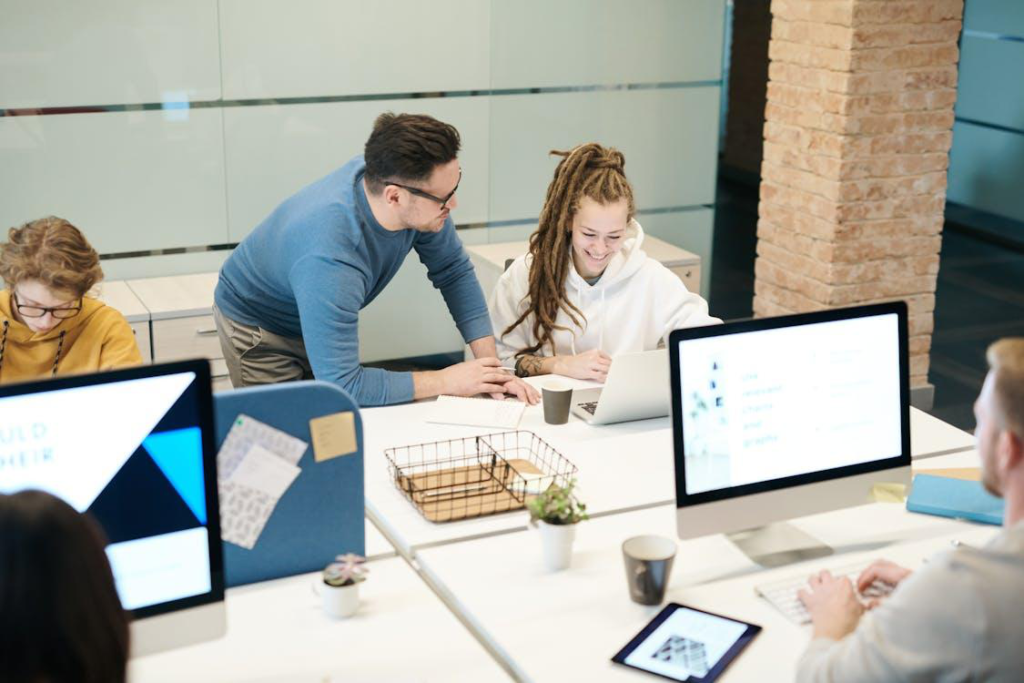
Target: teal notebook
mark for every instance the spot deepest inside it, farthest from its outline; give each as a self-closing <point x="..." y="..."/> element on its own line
<point x="959" y="498"/>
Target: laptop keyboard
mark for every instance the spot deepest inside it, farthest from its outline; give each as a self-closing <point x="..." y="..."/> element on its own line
<point x="782" y="594"/>
<point x="589" y="406"/>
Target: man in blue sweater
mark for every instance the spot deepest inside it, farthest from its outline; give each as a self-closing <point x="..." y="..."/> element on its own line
<point x="288" y="298"/>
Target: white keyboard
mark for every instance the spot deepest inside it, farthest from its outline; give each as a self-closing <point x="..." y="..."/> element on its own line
<point x="782" y="594"/>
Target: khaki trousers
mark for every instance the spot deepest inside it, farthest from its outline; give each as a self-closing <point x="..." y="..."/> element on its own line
<point x="256" y="356"/>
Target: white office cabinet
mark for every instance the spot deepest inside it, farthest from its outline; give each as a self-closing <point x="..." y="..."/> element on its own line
<point x="131" y="181"/>
<point x="181" y="309"/>
<point x="669" y="139"/>
<point x="592" y="42"/>
<point x="409" y="318"/>
<point x="55" y="53"/>
<point x="299" y="48"/>
<point x="690" y="229"/>
<point x="119" y="295"/>
<point x="489" y="261"/>
<point x="273" y="151"/>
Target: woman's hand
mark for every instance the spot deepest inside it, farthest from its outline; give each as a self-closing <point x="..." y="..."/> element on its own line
<point x="593" y="365"/>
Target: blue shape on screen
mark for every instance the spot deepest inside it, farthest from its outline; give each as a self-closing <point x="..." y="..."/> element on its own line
<point x="179" y="455"/>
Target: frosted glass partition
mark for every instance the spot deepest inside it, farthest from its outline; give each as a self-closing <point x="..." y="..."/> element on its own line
<point x="301" y="143"/>
<point x="985" y="170"/>
<point x="995" y="16"/>
<point x="353" y="47"/>
<point x="987" y="91"/>
<point x="539" y="43"/>
<point x="168" y="127"/>
<point x="133" y="181"/>
<point x="55" y="53"/>
<point x="669" y="138"/>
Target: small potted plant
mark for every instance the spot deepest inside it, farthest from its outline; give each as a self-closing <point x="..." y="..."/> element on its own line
<point x="556" y="511"/>
<point x="340" y="591"/>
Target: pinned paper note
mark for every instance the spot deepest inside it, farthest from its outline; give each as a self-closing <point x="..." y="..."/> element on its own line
<point x="333" y="435"/>
<point x="265" y="472"/>
<point x="247" y="431"/>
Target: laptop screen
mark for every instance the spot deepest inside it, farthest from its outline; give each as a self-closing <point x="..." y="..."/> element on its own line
<point x="134" y="449"/>
<point x="766" y="402"/>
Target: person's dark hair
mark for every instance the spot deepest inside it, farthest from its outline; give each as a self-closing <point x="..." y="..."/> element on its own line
<point x="60" y="615"/>
<point x="407" y="147"/>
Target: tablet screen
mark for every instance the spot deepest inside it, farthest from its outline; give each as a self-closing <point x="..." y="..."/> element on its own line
<point x="686" y="644"/>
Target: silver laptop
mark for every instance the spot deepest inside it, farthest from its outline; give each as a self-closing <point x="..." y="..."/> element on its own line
<point x="637" y="388"/>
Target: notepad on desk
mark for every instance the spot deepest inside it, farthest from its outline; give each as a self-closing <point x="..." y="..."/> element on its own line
<point x="954" y="497"/>
<point x="477" y="412"/>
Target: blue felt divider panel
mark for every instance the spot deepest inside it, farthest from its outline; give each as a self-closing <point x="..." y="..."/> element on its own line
<point x="321" y="514"/>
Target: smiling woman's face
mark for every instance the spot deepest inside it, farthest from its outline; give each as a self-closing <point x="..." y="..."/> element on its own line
<point x="35" y="293"/>
<point x="597" y="234"/>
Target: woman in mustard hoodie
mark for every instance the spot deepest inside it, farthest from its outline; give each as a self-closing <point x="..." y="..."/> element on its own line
<point x="49" y="326"/>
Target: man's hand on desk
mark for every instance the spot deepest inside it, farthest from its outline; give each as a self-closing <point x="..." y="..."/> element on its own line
<point x="832" y="604"/>
<point x="884" y="571"/>
<point x="523" y="391"/>
<point x="835" y="606"/>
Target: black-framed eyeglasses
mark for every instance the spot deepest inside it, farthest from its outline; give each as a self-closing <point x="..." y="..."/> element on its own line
<point x="58" y="312"/>
<point x="443" y="201"/>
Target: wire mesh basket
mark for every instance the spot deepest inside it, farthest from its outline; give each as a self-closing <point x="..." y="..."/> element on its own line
<point x="477" y="475"/>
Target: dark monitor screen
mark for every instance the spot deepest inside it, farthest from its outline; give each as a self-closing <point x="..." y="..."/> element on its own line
<point x="133" y="448"/>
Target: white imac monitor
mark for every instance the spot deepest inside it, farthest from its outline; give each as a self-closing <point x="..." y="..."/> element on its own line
<point x="135" y="449"/>
<point x="778" y="418"/>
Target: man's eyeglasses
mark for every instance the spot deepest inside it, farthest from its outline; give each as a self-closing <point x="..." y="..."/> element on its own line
<point x="59" y="312"/>
<point x="443" y="201"/>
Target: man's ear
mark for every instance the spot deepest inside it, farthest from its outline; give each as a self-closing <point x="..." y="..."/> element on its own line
<point x="391" y="194"/>
<point x="1011" y="450"/>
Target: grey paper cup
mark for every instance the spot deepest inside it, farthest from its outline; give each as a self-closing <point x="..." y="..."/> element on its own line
<point x="557" y="399"/>
<point x="648" y="561"/>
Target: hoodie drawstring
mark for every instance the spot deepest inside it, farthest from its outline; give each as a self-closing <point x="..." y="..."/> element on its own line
<point x="56" y="360"/>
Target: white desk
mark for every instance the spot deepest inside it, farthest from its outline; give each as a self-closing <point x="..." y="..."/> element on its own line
<point x="566" y="625"/>
<point x="278" y="633"/>
<point x="621" y="467"/>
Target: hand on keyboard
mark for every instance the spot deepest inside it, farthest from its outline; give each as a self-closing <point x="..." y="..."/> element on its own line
<point x="783" y="594"/>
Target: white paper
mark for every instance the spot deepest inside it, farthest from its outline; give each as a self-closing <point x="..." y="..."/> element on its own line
<point x="243" y="513"/>
<point x="245" y="433"/>
<point x="477" y="412"/>
<point x="265" y="472"/>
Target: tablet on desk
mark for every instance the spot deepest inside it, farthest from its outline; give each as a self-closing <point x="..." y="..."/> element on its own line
<point x="687" y="644"/>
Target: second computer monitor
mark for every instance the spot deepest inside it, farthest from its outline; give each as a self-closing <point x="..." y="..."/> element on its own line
<point x="783" y="417"/>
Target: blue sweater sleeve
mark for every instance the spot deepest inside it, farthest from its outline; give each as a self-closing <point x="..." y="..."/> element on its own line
<point x="450" y="270"/>
<point x="329" y="294"/>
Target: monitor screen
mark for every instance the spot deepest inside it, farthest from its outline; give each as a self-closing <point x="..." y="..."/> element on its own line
<point x="134" y="448"/>
<point x="778" y="402"/>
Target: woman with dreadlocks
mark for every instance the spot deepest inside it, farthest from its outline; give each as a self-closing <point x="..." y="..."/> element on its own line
<point x="586" y="291"/>
<point x="48" y="324"/>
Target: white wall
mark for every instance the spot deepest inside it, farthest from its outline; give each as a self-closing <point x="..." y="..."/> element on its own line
<point x="156" y="125"/>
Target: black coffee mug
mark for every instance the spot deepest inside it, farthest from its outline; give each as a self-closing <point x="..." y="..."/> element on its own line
<point x="648" y="561"/>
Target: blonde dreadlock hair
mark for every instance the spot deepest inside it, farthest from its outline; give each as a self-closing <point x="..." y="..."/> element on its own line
<point x="588" y="170"/>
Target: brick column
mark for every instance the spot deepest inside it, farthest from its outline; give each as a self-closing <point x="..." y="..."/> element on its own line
<point x="858" y="126"/>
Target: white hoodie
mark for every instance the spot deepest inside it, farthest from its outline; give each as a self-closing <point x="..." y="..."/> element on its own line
<point x="633" y="307"/>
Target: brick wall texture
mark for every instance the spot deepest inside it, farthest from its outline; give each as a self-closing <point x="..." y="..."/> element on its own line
<point x="858" y="126"/>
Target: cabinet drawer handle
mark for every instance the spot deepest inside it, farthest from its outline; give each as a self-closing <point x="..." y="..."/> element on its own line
<point x="206" y="331"/>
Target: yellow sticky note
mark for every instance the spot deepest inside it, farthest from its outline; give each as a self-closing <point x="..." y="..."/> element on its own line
<point x="333" y="435"/>
<point x="888" y="493"/>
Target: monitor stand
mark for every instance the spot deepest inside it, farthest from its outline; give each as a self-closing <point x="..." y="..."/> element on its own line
<point x="778" y="544"/>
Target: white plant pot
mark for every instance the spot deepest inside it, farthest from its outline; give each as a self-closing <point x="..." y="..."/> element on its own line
<point x="556" y="540"/>
<point x="340" y="602"/>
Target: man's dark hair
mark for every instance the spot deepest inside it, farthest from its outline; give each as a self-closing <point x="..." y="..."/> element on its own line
<point x="60" y="614"/>
<point x="407" y="147"/>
